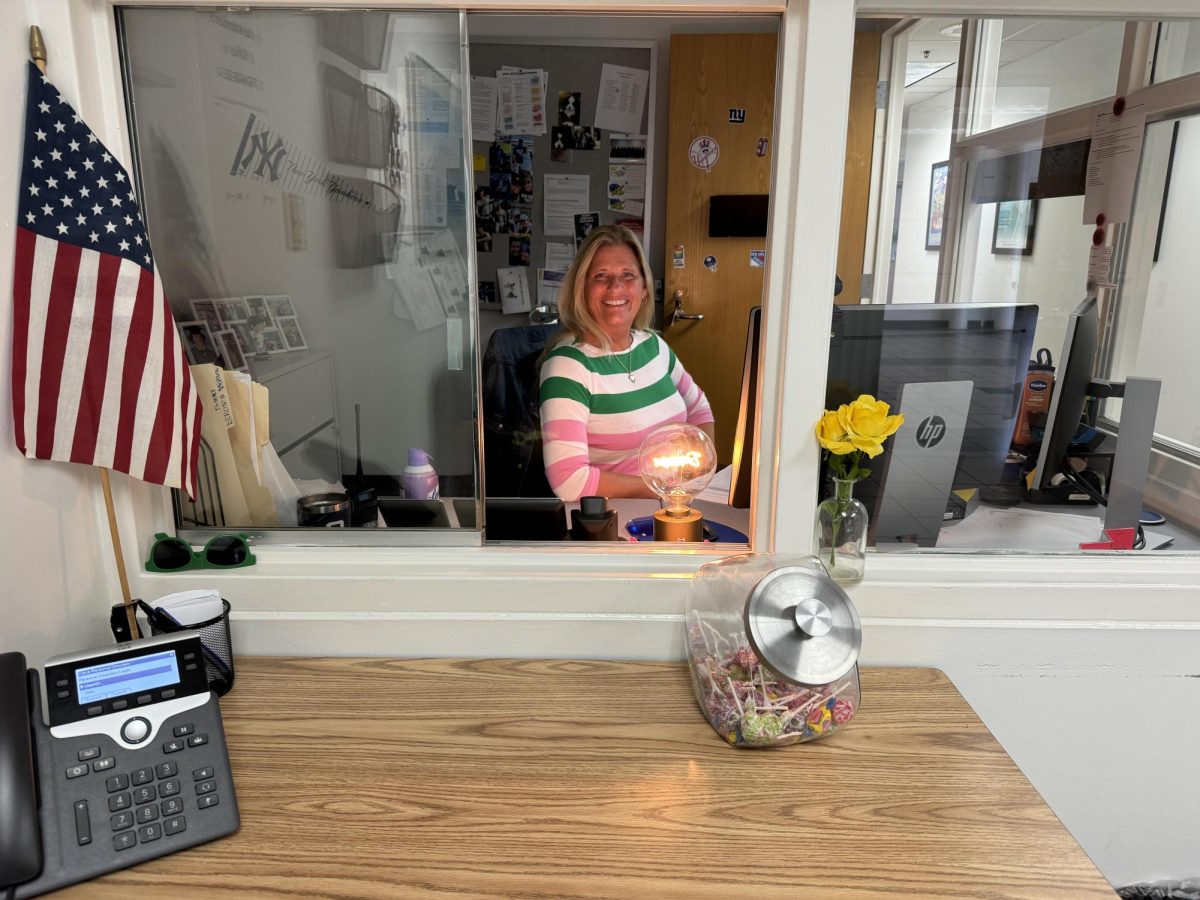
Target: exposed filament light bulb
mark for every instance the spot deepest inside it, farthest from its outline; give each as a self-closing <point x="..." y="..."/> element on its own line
<point x="677" y="461"/>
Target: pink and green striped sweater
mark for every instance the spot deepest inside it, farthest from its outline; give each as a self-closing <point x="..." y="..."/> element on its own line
<point x="594" y="418"/>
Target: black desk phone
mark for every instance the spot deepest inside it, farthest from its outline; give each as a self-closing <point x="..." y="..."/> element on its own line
<point x="131" y="766"/>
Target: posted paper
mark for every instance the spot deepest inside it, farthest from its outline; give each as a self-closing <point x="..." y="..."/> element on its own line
<point x="566" y="196"/>
<point x="514" y="290"/>
<point x="1112" y="164"/>
<point x="621" y="98"/>
<point x="483" y="108"/>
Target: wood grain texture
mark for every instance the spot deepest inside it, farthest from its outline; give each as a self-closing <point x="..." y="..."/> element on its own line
<point x="856" y="180"/>
<point x="710" y="73"/>
<point x="563" y="779"/>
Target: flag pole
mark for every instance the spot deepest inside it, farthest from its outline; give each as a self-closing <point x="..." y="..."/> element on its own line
<point x="37" y="52"/>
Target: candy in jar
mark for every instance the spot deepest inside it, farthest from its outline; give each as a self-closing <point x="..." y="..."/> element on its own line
<point x="773" y="649"/>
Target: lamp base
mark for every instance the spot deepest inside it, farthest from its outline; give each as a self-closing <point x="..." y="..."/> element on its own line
<point x="672" y="526"/>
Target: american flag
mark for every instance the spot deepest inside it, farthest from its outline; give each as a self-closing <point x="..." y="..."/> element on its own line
<point x="99" y="374"/>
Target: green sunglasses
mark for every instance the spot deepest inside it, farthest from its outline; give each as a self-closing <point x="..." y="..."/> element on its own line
<point x="225" y="551"/>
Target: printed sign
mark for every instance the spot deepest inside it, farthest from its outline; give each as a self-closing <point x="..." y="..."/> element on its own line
<point x="677" y="257"/>
<point x="737" y="115"/>
<point x="703" y="152"/>
<point x="758" y="259"/>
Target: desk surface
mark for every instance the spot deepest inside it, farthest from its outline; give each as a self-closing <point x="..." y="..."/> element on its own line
<point x="551" y="779"/>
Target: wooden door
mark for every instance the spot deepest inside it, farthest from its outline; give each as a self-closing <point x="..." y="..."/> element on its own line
<point x="856" y="181"/>
<point x="723" y="89"/>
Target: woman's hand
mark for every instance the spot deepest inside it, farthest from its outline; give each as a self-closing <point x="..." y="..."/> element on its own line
<point x="612" y="485"/>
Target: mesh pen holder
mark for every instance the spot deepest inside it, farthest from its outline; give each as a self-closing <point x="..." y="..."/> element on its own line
<point x="214" y="638"/>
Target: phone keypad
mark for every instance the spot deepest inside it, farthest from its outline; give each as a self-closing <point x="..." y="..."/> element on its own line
<point x="148" y="802"/>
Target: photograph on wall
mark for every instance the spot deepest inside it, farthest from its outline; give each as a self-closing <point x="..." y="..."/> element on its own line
<point x="570" y="107"/>
<point x="626" y="147"/>
<point x="485" y="209"/>
<point x="199" y="344"/>
<point x="483" y="239"/>
<point x="514" y="290"/>
<point x="206" y="311"/>
<point x="519" y="250"/>
<point x="234" y="358"/>
<point x="562" y="142"/>
<point x="488" y="298"/>
<point x="585" y="138"/>
<point x="937" y="205"/>
<point x="292" y="336"/>
<point x="584" y="223"/>
<point x="231" y="309"/>
<point x="1012" y="232"/>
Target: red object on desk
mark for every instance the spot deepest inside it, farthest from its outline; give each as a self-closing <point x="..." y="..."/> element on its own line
<point x="1118" y="539"/>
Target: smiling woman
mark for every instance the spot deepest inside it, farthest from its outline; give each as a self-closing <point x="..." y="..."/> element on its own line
<point x="609" y="381"/>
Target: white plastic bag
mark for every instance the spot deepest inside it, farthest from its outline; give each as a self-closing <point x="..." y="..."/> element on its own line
<point x="279" y="483"/>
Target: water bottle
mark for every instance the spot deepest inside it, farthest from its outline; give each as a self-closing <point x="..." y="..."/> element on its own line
<point x="418" y="481"/>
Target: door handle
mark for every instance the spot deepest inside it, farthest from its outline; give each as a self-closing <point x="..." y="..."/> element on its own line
<point x="679" y="313"/>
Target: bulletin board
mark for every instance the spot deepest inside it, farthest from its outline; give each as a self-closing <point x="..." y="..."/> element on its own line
<point x="570" y="67"/>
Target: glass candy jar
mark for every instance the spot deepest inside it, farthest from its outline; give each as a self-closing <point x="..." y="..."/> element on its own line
<point x="773" y="649"/>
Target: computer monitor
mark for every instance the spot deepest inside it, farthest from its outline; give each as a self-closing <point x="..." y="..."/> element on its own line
<point x="878" y="349"/>
<point x="1070" y="391"/>
<point x="743" y="438"/>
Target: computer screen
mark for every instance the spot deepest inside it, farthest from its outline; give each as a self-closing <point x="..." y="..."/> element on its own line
<point x="878" y="349"/>
<point x="743" y="438"/>
<point x="1070" y="390"/>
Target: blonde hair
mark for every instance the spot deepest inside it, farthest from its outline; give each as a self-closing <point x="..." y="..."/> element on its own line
<point x="572" y="307"/>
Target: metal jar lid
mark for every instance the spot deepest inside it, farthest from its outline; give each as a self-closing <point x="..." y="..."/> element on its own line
<point x="323" y="503"/>
<point x="802" y="625"/>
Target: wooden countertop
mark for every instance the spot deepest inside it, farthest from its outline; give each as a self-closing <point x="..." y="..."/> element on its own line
<point x="555" y="779"/>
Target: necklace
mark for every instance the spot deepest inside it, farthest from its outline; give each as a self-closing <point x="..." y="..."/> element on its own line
<point x="626" y="361"/>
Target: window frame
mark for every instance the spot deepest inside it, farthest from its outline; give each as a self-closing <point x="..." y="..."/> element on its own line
<point x="496" y="600"/>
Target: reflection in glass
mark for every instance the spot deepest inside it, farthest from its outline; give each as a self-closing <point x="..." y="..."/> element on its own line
<point x="304" y="184"/>
<point x="1033" y="67"/>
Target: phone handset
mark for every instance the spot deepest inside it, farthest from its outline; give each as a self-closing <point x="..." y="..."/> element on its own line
<point x="20" y="832"/>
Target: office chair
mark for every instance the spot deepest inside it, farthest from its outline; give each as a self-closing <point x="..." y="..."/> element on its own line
<point x="512" y="443"/>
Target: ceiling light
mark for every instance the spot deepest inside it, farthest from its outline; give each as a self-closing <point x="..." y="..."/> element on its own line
<point x="952" y="30"/>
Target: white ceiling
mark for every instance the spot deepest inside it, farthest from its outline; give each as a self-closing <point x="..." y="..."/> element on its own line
<point x="1022" y="37"/>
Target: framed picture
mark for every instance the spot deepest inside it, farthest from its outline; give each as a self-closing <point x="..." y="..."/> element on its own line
<point x="292" y="335"/>
<point x="937" y="205"/>
<point x="1012" y="233"/>
<point x="206" y="311"/>
<point x="199" y="344"/>
<point x="230" y="309"/>
<point x="228" y="342"/>
<point x="280" y="306"/>
<point x="245" y="338"/>
<point x="270" y="340"/>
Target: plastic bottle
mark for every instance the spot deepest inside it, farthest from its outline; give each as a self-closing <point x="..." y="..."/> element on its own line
<point x="418" y="480"/>
<point x="1035" y="398"/>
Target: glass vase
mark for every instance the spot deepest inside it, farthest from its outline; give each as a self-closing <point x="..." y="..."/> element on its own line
<point x="840" y="537"/>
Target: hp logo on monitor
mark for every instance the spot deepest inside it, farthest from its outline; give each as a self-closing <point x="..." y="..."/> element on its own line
<point x="931" y="431"/>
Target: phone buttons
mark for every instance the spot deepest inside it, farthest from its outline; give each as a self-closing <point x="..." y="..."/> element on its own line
<point x="76" y="771"/>
<point x="124" y="840"/>
<point x="83" y="824"/>
<point x="135" y="730"/>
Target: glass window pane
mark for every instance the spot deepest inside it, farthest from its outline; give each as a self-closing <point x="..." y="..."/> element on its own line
<point x="1177" y="51"/>
<point x="1159" y="294"/>
<point x="931" y="66"/>
<point x="1032" y="67"/>
<point x="305" y="190"/>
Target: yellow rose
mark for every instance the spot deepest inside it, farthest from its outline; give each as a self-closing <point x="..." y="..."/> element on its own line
<point x="832" y="436"/>
<point x="868" y="419"/>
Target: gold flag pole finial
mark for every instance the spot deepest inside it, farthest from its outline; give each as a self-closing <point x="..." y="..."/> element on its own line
<point x="37" y="48"/>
